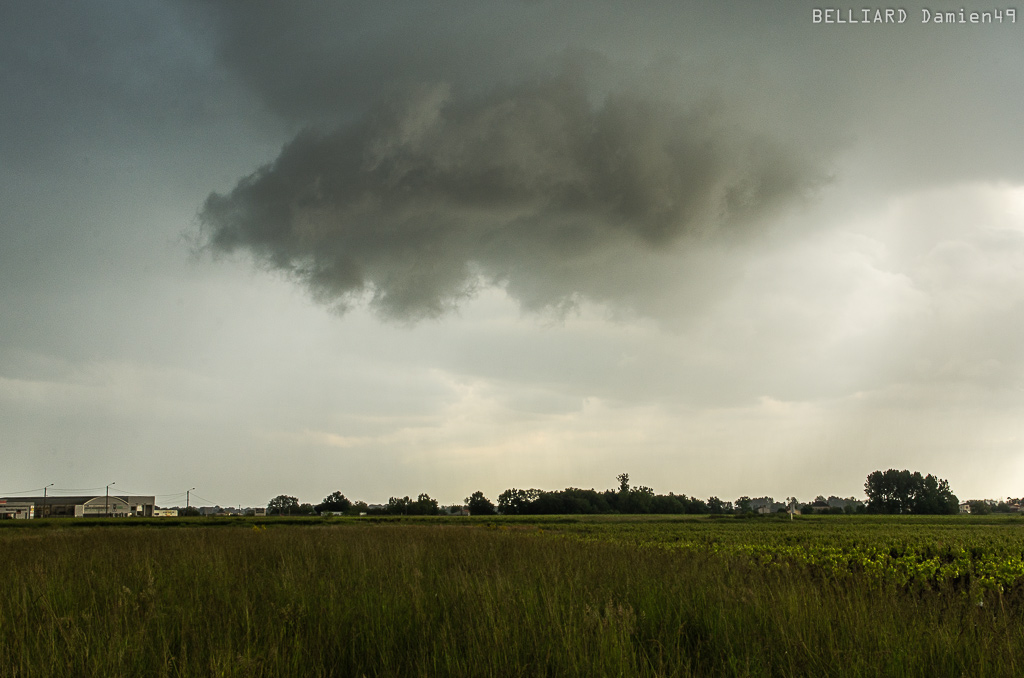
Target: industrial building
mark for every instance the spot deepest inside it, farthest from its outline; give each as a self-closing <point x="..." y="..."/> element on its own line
<point x="86" y="506"/>
<point x="16" y="509"/>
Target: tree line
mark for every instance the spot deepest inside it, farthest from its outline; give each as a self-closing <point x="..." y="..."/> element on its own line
<point x="888" y="491"/>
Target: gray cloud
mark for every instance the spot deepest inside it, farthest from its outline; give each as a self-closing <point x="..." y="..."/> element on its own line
<point x="533" y="186"/>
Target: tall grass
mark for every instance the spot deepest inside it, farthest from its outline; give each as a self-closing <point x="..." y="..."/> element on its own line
<point x="444" y="600"/>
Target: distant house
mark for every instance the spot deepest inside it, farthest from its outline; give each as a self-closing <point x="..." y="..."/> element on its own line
<point x="965" y="507"/>
<point x="165" y="513"/>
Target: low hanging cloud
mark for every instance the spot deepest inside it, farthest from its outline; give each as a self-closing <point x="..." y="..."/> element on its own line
<point x="535" y="187"/>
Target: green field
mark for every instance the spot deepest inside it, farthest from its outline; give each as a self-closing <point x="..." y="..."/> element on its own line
<point x="552" y="596"/>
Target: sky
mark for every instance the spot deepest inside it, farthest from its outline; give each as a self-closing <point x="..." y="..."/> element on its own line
<point x="261" y="248"/>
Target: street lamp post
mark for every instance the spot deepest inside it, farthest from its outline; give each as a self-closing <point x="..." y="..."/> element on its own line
<point x="187" y="498"/>
<point x="45" y="513"/>
<point x="108" y="500"/>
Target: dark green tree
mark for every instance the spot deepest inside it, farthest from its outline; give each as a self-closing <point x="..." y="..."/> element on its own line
<point x="282" y="504"/>
<point x="399" y="505"/>
<point x="335" y="502"/>
<point x="425" y="506"/>
<point x="514" y="502"/>
<point x="422" y="506"/>
<point x="715" y="505"/>
<point x="479" y="505"/>
<point x="639" y="500"/>
<point x="895" y="491"/>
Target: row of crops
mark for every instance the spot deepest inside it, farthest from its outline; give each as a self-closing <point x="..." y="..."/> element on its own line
<point x="977" y="556"/>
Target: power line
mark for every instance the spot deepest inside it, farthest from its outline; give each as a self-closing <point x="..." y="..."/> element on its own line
<point x="52" y="490"/>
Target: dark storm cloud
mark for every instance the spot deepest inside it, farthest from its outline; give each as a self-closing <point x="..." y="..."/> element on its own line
<point x="531" y="186"/>
<point x="561" y="190"/>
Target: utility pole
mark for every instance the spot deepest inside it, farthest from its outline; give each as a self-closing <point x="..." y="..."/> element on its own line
<point x="107" y="507"/>
<point x="44" y="500"/>
<point x="187" y="499"/>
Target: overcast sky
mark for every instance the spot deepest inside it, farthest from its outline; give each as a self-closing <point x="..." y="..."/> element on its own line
<point x="262" y="248"/>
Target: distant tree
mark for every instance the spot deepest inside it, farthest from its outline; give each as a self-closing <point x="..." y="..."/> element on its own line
<point x="1011" y="505"/>
<point x="335" y="502"/>
<point x="895" y="491"/>
<point x="695" y="505"/>
<point x="979" y="507"/>
<point x="641" y="499"/>
<point x="398" y="505"/>
<point x="515" y="502"/>
<point x="282" y="504"/>
<point x="623" y="479"/>
<point x="932" y="496"/>
<point x="479" y="505"/>
<point x="305" y="510"/>
<point x="743" y="505"/>
<point x="819" y="505"/>
<point x="670" y="503"/>
<point x="425" y="506"/>
<point x="188" y="511"/>
<point x="715" y="505"/>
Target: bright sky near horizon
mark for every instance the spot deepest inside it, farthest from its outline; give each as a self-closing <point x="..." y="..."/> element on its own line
<point x="262" y="248"/>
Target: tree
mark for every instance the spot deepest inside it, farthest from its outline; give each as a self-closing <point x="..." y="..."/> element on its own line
<point x="335" y="502"/>
<point x="399" y="505"/>
<point x="514" y="502"/>
<point x="282" y="504"/>
<point x="933" y="497"/>
<point x="743" y="505"/>
<point x="639" y="500"/>
<point x="479" y="505"/>
<point x="694" y="505"/>
<point x="623" y="479"/>
<point x="716" y="505"/>
<point x="425" y="506"/>
<point x="895" y="491"/>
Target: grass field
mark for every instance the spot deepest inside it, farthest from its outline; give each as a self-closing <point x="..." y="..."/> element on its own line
<point x="828" y="596"/>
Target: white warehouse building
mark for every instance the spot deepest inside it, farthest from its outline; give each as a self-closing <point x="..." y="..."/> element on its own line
<point x="88" y="506"/>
